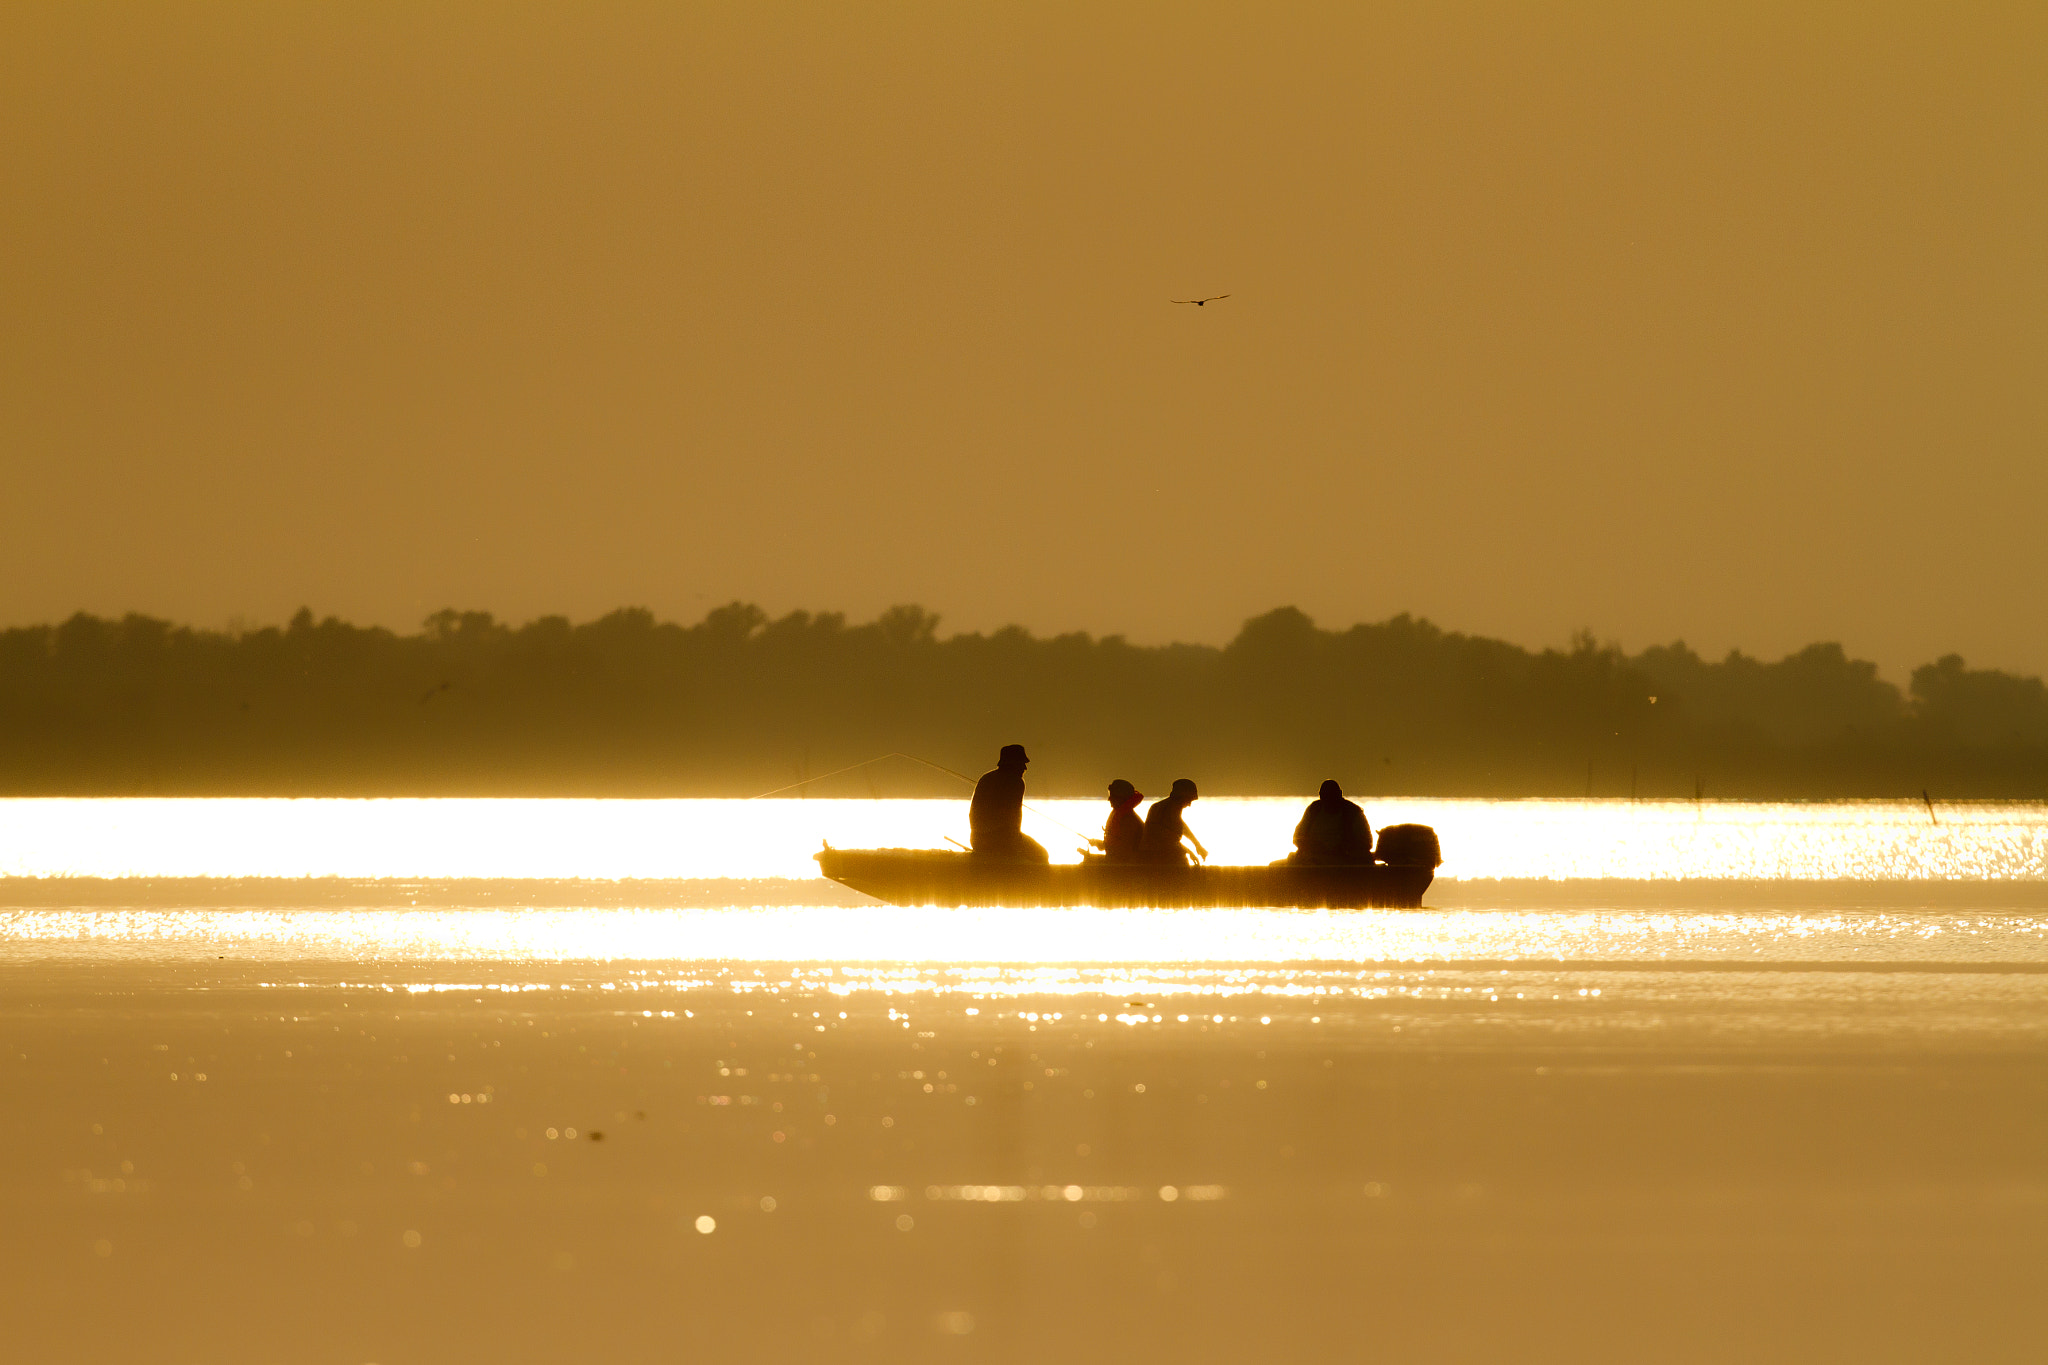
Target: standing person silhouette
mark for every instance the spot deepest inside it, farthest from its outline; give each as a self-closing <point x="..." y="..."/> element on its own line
<point x="1165" y="829"/>
<point x="1123" y="834"/>
<point x="995" y="817"/>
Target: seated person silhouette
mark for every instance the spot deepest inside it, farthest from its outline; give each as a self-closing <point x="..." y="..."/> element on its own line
<point x="1165" y="829"/>
<point x="1123" y="834"/>
<point x="1333" y="832"/>
<point x="995" y="818"/>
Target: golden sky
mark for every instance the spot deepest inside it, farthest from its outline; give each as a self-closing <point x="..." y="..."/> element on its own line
<point x="1719" y="321"/>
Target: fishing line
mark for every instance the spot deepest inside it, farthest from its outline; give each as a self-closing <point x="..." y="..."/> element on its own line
<point x="868" y="762"/>
<point x="950" y="772"/>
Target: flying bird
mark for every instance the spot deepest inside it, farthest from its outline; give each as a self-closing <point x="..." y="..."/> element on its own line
<point x="1199" y="302"/>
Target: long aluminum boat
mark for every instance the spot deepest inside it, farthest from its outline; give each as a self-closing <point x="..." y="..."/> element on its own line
<point x="922" y="876"/>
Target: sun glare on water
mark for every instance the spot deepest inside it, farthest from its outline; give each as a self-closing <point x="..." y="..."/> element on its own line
<point x="1737" y="848"/>
<point x="753" y="839"/>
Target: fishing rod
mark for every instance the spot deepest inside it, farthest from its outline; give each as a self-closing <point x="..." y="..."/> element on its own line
<point x="950" y="772"/>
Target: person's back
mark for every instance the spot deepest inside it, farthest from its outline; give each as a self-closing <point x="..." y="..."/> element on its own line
<point x="1123" y="834"/>
<point x="1333" y="830"/>
<point x="995" y="817"/>
<point x="1165" y="828"/>
<point x="996" y="814"/>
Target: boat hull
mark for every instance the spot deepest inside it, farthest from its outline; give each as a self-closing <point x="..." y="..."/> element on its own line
<point x="914" y="876"/>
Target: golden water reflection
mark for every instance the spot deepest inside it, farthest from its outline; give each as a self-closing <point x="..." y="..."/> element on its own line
<point x="983" y="1121"/>
<point x="1877" y="840"/>
<point x="1024" y="938"/>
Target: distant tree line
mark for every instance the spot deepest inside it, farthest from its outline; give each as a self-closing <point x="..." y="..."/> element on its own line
<point x="738" y="704"/>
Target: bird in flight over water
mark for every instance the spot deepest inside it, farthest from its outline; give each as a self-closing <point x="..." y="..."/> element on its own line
<point x="1199" y="302"/>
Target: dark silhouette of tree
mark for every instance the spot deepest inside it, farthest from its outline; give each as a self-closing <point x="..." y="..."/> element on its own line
<point x="1980" y="708"/>
<point x="739" y="703"/>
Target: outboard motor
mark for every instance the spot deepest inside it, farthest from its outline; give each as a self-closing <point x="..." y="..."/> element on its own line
<point x="1409" y="846"/>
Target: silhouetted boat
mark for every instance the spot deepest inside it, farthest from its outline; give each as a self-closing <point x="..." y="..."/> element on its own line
<point x="922" y="876"/>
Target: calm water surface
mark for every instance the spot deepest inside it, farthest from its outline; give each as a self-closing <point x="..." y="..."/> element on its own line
<point x="1648" y="1081"/>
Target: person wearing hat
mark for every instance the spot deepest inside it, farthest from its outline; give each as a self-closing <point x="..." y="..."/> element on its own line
<point x="1123" y="834"/>
<point x="1333" y="831"/>
<point x="995" y="817"/>
<point x="1165" y="829"/>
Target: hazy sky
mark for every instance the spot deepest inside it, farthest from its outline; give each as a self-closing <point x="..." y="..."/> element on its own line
<point x="1718" y="321"/>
